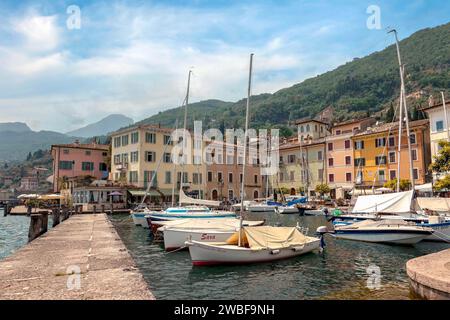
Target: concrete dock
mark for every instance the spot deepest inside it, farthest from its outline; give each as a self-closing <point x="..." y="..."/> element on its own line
<point x="430" y="275"/>
<point x="83" y="258"/>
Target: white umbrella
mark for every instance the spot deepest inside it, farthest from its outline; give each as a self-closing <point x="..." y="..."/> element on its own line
<point x="28" y="196"/>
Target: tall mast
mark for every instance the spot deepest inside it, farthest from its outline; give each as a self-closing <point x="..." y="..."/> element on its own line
<point x="403" y="97"/>
<point x="174" y="172"/>
<point x="184" y="134"/>
<point x="245" y="146"/>
<point x="447" y="126"/>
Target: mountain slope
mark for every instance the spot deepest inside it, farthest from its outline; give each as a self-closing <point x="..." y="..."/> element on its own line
<point x="360" y="87"/>
<point x="14" y="127"/>
<point x="102" y="127"/>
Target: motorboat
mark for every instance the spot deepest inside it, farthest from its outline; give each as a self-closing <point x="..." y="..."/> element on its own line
<point x="383" y="231"/>
<point x="176" y="233"/>
<point x="253" y="245"/>
<point x="139" y="217"/>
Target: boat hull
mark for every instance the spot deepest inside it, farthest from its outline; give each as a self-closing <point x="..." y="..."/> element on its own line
<point x="261" y="208"/>
<point x="288" y="210"/>
<point x="175" y="238"/>
<point x="140" y="219"/>
<point x="203" y="254"/>
<point x="441" y="232"/>
<point x="377" y="236"/>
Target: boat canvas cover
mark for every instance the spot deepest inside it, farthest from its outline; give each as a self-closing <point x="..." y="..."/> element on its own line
<point x="267" y="237"/>
<point x="398" y="202"/>
<point x="188" y="200"/>
<point x="219" y="224"/>
<point x="435" y="204"/>
<point x="300" y="200"/>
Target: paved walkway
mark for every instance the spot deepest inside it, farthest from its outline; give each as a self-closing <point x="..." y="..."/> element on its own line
<point x="430" y="275"/>
<point x="84" y="244"/>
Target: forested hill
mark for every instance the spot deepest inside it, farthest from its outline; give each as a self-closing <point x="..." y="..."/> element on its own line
<point x="362" y="86"/>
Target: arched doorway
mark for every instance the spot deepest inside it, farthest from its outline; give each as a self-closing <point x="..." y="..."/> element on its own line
<point x="255" y="194"/>
<point x="214" y="195"/>
<point x="293" y="192"/>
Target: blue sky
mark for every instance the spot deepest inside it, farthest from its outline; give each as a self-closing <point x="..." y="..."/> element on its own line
<point x="132" y="57"/>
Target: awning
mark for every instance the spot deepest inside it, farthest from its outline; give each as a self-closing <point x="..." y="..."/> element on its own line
<point x="152" y="193"/>
<point x="427" y="187"/>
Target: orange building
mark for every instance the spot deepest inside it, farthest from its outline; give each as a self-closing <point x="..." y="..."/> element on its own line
<point x="339" y="156"/>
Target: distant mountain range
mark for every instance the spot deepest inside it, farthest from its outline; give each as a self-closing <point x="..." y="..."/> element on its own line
<point x="17" y="139"/>
<point x="106" y="125"/>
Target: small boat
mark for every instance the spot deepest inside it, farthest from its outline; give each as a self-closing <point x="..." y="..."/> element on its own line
<point x="140" y="217"/>
<point x="176" y="233"/>
<point x="267" y="206"/>
<point x="383" y="231"/>
<point x="288" y="209"/>
<point x="253" y="245"/>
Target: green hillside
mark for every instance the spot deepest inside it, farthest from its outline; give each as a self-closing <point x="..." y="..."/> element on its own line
<point x="359" y="87"/>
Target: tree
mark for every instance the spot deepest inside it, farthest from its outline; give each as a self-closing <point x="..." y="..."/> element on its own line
<point x="441" y="165"/>
<point x="322" y="189"/>
<point x="443" y="184"/>
<point x="29" y="156"/>
<point x="389" y="116"/>
<point x="392" y="184"/>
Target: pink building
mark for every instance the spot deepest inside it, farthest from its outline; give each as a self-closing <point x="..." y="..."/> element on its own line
<point x="77" y="160"/>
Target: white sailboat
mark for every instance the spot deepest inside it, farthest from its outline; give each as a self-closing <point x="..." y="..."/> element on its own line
<point x="252" y="244"/>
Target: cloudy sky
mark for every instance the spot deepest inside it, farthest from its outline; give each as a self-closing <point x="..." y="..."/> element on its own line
<point x="132" y="57"/>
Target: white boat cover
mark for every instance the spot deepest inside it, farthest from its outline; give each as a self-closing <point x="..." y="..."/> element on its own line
<point x="221" y="223"/>
<point x="184" y="199"/>
<point x="435" y="204"/>
<point x="267" y="237"/>
<point x="427" y="187"/>
<point x="398" y="202"/>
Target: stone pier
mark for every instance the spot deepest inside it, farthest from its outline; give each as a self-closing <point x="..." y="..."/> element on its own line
<point x="430" y="275"/>
<point x="82" y="258"/>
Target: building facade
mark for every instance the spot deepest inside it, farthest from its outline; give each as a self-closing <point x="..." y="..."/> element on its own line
<point x="29" y="184"/>
<point x="439" y="124"/>
<point x="339" y="154"/>
<point x="76" y="160"/>
<point x="376" y="156"/>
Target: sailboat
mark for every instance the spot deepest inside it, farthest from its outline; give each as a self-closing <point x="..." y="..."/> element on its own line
<point x="252" y="244"/>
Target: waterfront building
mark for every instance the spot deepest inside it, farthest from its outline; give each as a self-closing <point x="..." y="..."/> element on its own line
<point x="439" y="129"/>
<point x="302" y="159"/>
<point x="375" y="154"/>
<point x="78" y="160"/>
<point x="135" y="154"/>
<point x="224" y="176"/>
<point x="29" y="183"/>
<point x="339" y="156"/>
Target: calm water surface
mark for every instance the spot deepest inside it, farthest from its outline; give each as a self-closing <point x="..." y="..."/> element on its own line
<point x="339" y="273"/>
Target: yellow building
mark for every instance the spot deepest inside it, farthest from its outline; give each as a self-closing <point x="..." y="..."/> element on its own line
<point x="135" y="154"/>
<point x="439" y="128"/>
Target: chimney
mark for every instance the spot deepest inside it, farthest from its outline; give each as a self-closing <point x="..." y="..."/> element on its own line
<point x="77" y="142"/>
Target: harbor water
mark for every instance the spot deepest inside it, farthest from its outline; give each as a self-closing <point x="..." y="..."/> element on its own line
<point x="346" y="269"/>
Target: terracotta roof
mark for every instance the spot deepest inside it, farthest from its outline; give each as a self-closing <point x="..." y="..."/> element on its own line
<point x="143" y="127"/>
<point x="305" y="120"/>
<point x="393" y="126"/>
<point x="295" y="144"/>
<point x="91" y="146"/>
<point x="438" y="105"/>
<point x="343" y="123"/>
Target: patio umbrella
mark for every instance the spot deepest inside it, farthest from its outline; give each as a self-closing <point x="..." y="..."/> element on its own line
<point x="28" y="196"/>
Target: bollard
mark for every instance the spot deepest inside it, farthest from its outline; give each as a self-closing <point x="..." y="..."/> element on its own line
<point x="5" y="210"/>
<point x="38" y="226"/>
<point x="56" y="216"/>
<point x="29" y="210"/>
<point x="94" y="209"/>
<point x="103" y="208"/>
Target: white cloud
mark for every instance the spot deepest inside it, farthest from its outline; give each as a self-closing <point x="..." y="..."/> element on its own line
<point x="39" y="32"/>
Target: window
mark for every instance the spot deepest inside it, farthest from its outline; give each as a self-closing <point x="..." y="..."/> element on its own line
<point x="210" y="175"/>
<point x="102" y="166"/>
<point x="219" y="177"/>
<point x="392" y="174"/>
<point x="380" y="142"/>
<point x="415" y="173"/>
<point x="331" y="177"/>
<point x="87" y="166"/>
<point x="256" y="178"/>
<point x="392" y="157"/>
<point x="150" y="156"/>
<point x="347" y="144"/>
<point x="134" y="156"/>
<point x="135" y="137"/>
<point x="65" y="151"/>
<point x="291" y="158"/>
<point x="116" y="142"/>
<point x="381" y="176"/>
<point x="133" y="178"/>
<point x="124" y="140"/>
<point x="380" y="160"/>
<point x="104" y="154"/>
<point x="150" y="177"/>
<point x="330" y="162"/>
<point x="359" y="177"/>
<point x="88" y="152"/>
<point x="307" y="128"/>
<point x="414" y="154"/>
<point x="230" y="159"/>
<point x="319" y="155"/>
<point x="348" y="177"/>
<point x="330" y="146"/>
<point x="348" y="160"/>
<point x="315" y="128"/>
<point x="124" y="157"/>
<point x="230" y="194"/>
<point x="391" y="141"/>
<point x="168" y="177"/>
<point x="338" y="132"/>
<point x="150" y="137"/>
<point x="240" y="178"/>
<point x="359" y="145"/>
<point x="440" y="125"/>
<point x="196" y="178"/>
<point x="320" y="174"/>
<point x="302" y="129"/>
<point x="66" y="165"/>
<point x="292" y="175"/>
<point x="167" y="157"/>
<point x="117" y="159"/>
<point x="360" y="162"/>
<point x="230" y="177"/>
<point x="167" y="140"/>
<point x="412" y="138"/>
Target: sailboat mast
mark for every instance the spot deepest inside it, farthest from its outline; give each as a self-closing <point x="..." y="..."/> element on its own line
<point x="245" y="145"/>
<point x="403" y="99"/>
<point x="174" y="172"/>
<point x="184" y="135"/>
